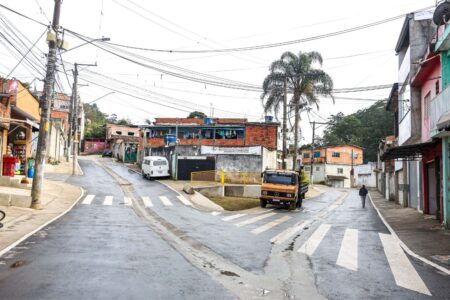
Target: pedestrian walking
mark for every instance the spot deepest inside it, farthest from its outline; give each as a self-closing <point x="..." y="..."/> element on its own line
<point x="363" y="193"/>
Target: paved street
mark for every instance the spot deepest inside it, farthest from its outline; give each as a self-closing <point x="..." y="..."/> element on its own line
<point x="137" y="239"/>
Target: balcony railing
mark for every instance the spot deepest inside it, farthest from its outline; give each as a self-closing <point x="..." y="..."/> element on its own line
<point x="438" y="107"/>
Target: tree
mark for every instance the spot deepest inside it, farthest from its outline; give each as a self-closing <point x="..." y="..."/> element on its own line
<point x="303" y="82"/>
<point x="364" y="128"/>
<point x="197" y="115"/>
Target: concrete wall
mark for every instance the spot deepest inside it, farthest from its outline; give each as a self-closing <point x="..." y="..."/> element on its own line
<point x="333" y="170"/>
<point x="239" y="163"/>
<point x="318" y="172"/>
<point x="269" y="159"/>
<point x="364" y="174"/>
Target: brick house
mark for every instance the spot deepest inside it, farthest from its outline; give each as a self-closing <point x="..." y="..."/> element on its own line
<point x="123" y="140"/>
<point x="228" y="144"/>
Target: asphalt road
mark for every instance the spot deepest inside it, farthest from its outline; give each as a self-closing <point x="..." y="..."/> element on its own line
<point x="136" y="239"/>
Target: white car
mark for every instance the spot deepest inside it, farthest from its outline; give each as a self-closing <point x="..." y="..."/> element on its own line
<point x="154" y="167"/>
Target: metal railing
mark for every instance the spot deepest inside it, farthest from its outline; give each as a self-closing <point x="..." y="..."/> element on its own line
<point x="438" y="107"/>
<point x="226" y="177"/>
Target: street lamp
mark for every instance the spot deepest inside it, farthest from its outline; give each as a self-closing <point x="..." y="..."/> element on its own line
<point x="103" y="39"/>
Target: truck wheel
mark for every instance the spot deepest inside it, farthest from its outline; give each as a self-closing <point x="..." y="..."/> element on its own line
<point x="293" y="205"/>
<point x="143" y="175"/>
<point x="263" y="203"/>
<point x="299" y="203"/>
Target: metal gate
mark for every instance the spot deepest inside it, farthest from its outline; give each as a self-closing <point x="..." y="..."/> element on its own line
<point x="187" y="165"/>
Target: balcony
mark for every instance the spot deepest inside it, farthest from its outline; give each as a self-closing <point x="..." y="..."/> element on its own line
<point x="439" y="106"/>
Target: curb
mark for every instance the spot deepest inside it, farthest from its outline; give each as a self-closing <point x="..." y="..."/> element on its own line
<point x="405" y="247"/>
<point x="20" y="240"/>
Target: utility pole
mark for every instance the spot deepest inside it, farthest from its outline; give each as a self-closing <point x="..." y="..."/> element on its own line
<point x="76" y="104"/>
<point x="283" y="155"/>
<point x="36" y="190"/>
<point x="69" y="139"/>
<point x="352" y="173"/>
<point x="312" y="152"/>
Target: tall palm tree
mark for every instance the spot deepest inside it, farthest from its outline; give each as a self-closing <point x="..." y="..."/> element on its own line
<point x="303" y="82"/>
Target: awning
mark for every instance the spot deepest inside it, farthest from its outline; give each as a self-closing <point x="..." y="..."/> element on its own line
<point x="336" y="177"/>
<point x="444" y="121"/>
<point x="410" y="152"/>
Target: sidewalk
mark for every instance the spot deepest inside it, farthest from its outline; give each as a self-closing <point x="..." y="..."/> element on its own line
<point x="423" y="236"/>
<point x="57" y="199"/>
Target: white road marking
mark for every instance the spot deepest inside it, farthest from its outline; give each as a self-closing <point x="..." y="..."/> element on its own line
<point x="147" y="202"/>
<point x="404" y="273"/>
<point x="254" y="219"/>
<point x="184" y="200"/>
<point x="269" y="225"/>
<point x="310" y="246"/>
<point x="165" y="201"/>
<point x="232" y="217"/>
<point x="127" y="201"/>
<point x="288" y="233"/>
<point x="348" y="254"/>
<point x="88" y="199"/>
<point x="108" y="200"/>
<point x="216" y="213"/>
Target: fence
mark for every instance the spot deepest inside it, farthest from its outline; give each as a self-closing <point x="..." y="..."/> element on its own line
<point x="226" y="177"/>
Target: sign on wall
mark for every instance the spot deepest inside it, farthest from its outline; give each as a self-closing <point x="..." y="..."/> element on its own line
<point x="256" y="150"/>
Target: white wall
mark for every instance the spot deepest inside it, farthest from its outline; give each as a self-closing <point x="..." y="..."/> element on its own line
<point x="269" y="159"/>
<point x="331" y="169"/>
<point x="364" y="174"/>
<point x="318" y="173"/>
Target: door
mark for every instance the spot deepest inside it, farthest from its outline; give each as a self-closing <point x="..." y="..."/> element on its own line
<point x="337" y="183"/>
<point x="432" y="197"/>
<point x="187" y="166"/>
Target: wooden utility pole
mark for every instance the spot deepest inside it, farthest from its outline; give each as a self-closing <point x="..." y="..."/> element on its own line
<point x="45" y="101"/>
<point x="283" y="155"/>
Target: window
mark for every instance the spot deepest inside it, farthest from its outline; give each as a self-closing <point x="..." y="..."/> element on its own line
<point x="336" y="154"/>
<point x="130" y="133"/>
<point x="159" y="163"/>
<point x="305" y="155"/>
<point x="119" y="132"/>
<point x="317" y="168"/>
<point x="308" y="169"/>
<point x="317" y="154"/>
<point x="403" y="99"/>
<point x="426" y="103"/>
<point x="437" y="87"/>
<point x="340" y="170"/>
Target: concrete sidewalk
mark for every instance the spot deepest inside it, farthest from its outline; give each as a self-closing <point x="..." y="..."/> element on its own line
<point x="425" y="237"/>
<point x="57" y="199"/>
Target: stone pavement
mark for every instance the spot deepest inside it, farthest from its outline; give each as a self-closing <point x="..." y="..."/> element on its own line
<point x="424" y="236"/>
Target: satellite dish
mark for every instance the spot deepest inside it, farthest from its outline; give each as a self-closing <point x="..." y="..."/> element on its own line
<point x="442" y="13"/>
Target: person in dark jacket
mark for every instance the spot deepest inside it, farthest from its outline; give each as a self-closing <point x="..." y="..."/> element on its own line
<point x="363" y="193"/>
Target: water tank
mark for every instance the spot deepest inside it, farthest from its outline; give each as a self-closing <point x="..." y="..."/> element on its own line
<point x="208" y="121"/>
<point x="268" y="119"/>
<point x="170" y="139"/>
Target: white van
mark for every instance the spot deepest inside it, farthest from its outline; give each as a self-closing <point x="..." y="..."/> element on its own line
<point x="155" y="166"/>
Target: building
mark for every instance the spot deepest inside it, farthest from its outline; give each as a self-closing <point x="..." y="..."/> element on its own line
<point x="332" y="165"/>
<point x="123" y="140"/>
<point x="366" y="175"/>
<point x="20" y="122"/>
<point x="233" y="145"/>
<point x="422" y="157"/>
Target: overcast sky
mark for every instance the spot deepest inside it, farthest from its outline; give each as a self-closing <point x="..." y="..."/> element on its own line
<point x="362" y="58"/>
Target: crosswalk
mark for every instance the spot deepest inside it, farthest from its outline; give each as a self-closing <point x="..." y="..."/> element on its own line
<point x="149" y="202"/>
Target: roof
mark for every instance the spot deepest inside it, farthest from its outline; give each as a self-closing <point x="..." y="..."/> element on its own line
<point x="403" y="38"/>
<point x="430" y="62"/>
<point x="392" y="102"/>
<point x="407" y="151"/>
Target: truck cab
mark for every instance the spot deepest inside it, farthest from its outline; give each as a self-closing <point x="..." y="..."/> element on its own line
<point x="282" y="188"/>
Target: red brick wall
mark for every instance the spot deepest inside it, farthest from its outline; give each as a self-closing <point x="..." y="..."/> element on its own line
<point x="261" y="135"/>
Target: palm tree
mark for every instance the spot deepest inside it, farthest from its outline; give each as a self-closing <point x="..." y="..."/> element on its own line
<point x="303" y="82"/>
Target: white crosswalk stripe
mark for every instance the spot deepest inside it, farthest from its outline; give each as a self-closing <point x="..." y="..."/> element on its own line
<point x="310" y="246"/>
<point x="404" y="273"/>
<point x="348" y="254"/>
<point x="184" y="200"/>
<point x="127" y="201"/>
<point x="288" y="233"/>
<point x="88" y="199"/>
<point x="216" y="213"/>
<point x="108" y="200"/>
<point x="269" y="225"/>
<point x="232" y="217"/>
<point x="254" y="219"/>
<point x="147" y="202"/>
<point x="165" y="201"/>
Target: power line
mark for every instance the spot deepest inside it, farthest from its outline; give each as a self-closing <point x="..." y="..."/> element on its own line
<point x="273" y="45"/>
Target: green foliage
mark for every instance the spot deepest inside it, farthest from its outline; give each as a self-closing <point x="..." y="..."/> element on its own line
<point x="303" y="177"/>
<point x="197" y="114"/>
<point x="364" y="128"/>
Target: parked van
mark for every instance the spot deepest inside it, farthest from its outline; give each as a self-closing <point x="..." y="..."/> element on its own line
<point x="154" y="167"/>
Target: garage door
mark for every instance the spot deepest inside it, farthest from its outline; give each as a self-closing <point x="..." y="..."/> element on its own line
<point x="337" y="183"/>
<point x="188" y="165"/>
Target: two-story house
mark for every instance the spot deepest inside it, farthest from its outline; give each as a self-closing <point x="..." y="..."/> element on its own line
<point x="332" y="165"/>
<point x="191" y="144"/>
<point x="123" y="140"/>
